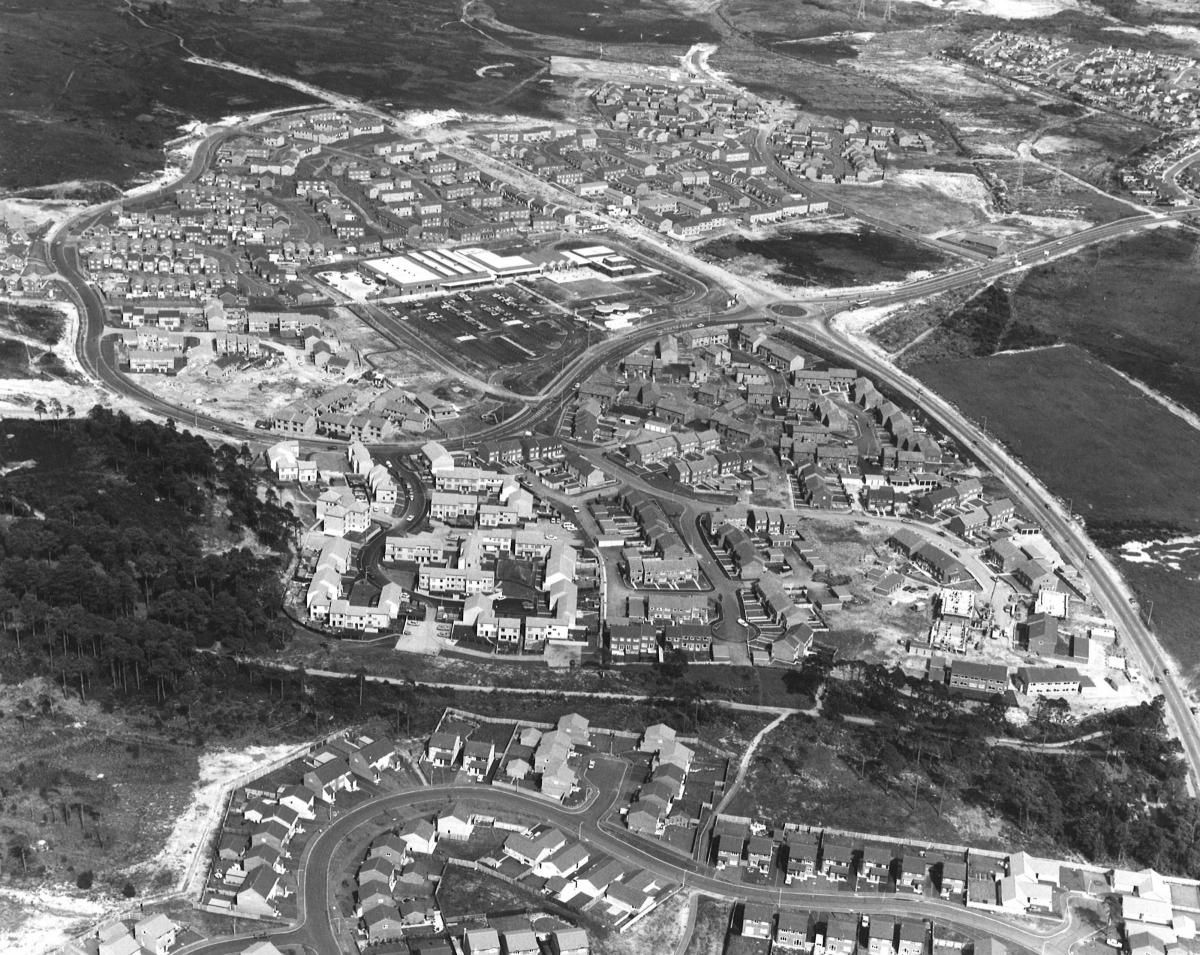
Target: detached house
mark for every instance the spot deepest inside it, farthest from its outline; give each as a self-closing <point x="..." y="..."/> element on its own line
<point x="443" y="749"/>
<point x="478" y="758"/>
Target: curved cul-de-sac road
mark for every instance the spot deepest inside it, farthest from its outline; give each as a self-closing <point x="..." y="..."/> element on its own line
<point x="314" y="926"/>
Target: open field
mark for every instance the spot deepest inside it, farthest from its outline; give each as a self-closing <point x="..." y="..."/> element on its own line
<point x="410" y="54"/>
<point x="817" y="87"/>
<point x="98" y="95"/>
<point x="1157" y="341"/>
<point x="1092" y="436"/>
<point x="982" y="325"/>
<point x="1071" y="301"/>
<point x="1126" y="463"/>
<point x="835" y="258"/>
<point x="606" y="21"/>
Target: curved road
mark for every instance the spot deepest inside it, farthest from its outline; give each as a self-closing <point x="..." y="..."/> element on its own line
<point x="314" y="927"/>
<point x="1107" y="584"/>
<point x="1105" y="580"/>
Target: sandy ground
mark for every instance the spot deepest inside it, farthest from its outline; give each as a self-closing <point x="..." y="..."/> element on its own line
<point x="859" y="321"/>
<point x="1006" y="9"/>
<point x="18" y="396"/>
<point x="43" y="920"/>
<point x="218" y="770"/>
<point x="1189" y="34"/>
<point x="962" y="187"/>
<point x="30" y="214"/>
<point x="1138" y="552"/>
<point x="244" y="397"/>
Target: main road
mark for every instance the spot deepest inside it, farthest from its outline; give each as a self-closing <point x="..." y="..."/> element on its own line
<point x="1105" y="580"/>
<point x="314" y="926"/>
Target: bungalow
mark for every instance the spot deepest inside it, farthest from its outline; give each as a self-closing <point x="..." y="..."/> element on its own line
<point x="532" y="850"/>
<point x="420" y="910"/>
<point x="116" y="940"/>
<point x="520" y="942"/>
<point x="597" y="878"/>
<point x="481" y="941"/>
<point x="300" y="799"/>
<point x="262" y="855"/>
<point x="569" y="941"/>
<point x="1018" y="894"/>
<point x="391" y="848"/>
<point x="574" y="727"/>
<point x="273" y="834"/>
<point x="1034" y="575"/>
<point x="623" y="899"/>
<point x="376" y="870"/>
<point x="646" y="816"/>
<point x="564" y="863"/>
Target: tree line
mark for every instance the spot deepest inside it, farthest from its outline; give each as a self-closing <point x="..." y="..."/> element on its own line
<point x="108" y="571"/>
<point x="1117" y="797"/>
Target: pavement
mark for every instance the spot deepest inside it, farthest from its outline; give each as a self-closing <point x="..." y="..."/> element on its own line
<point x="314" y="925"/>
<point x="703" y="278"/>
<point x="1068" y="535"/>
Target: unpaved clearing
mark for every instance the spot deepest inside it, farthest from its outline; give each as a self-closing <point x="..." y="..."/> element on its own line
<point x="1007" y="9"/>
<point x="218" y="770"/>
<point x="962" y="187"/>
<point x="19" y="396"/>
<point x="33" y="921"/>
<point x="32" y="214"/>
